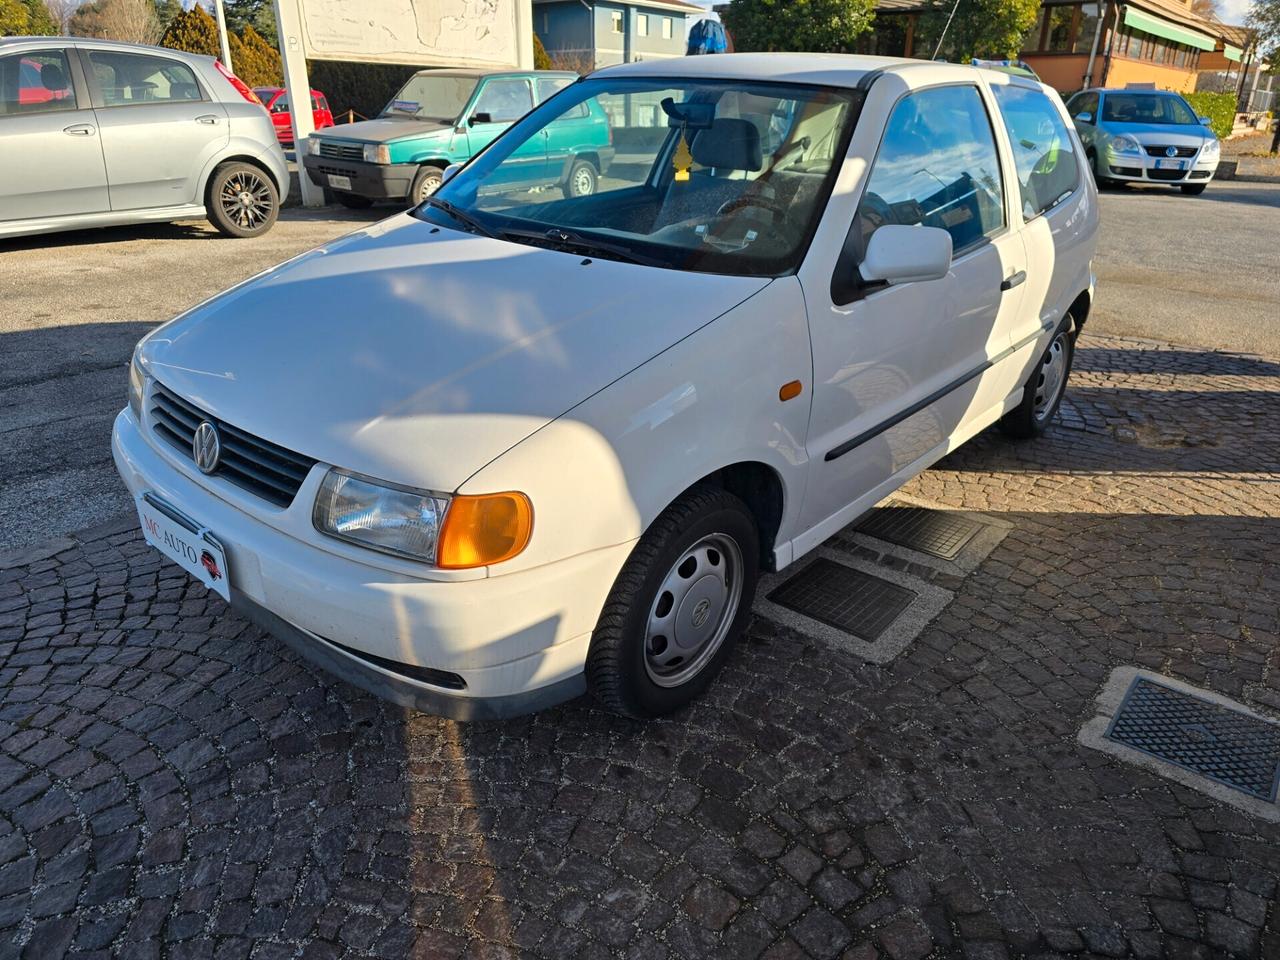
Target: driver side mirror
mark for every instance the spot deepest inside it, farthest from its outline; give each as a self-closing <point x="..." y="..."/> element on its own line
<point x="901" y="254"/>
<point x="449" y="172"/>
<point x="1206" y="121"/>
<point x="480" y="118"/>
<point x="1084" y="117"/>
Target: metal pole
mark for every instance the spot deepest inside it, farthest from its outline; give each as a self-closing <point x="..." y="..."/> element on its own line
<point x="947" y="26"/>
<point x="1097" y="39"/>
<point x="297" y="84"/>
<point x="222" y="35"/>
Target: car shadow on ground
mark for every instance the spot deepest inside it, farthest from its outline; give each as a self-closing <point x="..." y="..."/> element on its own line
<point x="1227" y="191"/>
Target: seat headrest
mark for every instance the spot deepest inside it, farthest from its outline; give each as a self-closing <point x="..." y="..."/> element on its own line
<point x="728" y="144"/>
<point x="53" y="78"/>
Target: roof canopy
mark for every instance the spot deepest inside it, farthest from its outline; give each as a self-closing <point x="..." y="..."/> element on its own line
<point x="1163" y="28"/>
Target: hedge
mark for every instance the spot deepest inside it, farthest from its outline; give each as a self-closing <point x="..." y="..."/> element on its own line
<point x="1220" y="108"/>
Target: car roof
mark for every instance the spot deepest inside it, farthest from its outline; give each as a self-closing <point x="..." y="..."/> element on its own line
<point x="480" y="72"/>
<point x="1142" y="91"/>
<point x="822" y="69"/>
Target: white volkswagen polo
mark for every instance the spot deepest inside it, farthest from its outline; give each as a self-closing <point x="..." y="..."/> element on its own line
<point x="515" y="445"/>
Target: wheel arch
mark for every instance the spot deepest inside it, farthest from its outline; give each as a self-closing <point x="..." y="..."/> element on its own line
<point x="281" y="189"/>
<point x="1079" y="309"/>
<point x="760" y="487"/>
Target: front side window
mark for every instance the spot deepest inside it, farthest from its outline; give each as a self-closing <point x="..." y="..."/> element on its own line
<point x="429" y="96"/>
<point x="1043" y="153"/>
<point x="504" y="100"/>
<point x="35" y="82"/>
<point x="1146" y="108"/>
<point x="131" y="78"/>
<point x="704" y="175"/>
<point x="1084" y="103"/>
<point x="937" y="166"/>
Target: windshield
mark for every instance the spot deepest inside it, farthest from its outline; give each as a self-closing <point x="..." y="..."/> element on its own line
<point x="431" y="97"/>
<point x="1146" y="108"/>
<point x="715" y="176"/>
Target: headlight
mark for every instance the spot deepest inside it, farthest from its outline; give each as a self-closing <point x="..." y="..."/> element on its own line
<point x="450" y="532"/>
<point x="1210" y="150"/>
<point x="313" y="147"/>
<point x="137" y="384"/>
<point x="1125" y="144"/>
<point x="376" y="153"/>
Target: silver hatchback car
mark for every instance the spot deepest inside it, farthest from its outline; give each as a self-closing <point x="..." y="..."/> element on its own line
<point x="95" y="133"/>
<point x="1145" y="136"/>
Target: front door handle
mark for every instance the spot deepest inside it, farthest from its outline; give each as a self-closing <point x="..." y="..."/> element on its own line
<point x="207" y="118"/>
<point x="80" y="130"/>
<point x="1013" y="281"/>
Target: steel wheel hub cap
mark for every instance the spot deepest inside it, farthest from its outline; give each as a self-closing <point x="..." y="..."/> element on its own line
<point x="693" y="610"/>
<point x="1053" y="375"/>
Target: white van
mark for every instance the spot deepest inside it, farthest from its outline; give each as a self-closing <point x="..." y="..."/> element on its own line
<point x="511" y="446"/>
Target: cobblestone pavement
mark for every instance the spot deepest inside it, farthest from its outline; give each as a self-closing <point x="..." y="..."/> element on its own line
<point x="173" y="783"/>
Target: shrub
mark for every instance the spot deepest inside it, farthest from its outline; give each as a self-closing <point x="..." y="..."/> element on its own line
<point x="1220" y="108"/>
<point x="194" y="31"/>
<point x="540" y="59"/>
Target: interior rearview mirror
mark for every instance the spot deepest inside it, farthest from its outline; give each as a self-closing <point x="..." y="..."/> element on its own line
<point x="1207" y="121"/>
<point x="1085" y="116"/>
<point x="900" y="254"/>
<point x="449" y="171"/>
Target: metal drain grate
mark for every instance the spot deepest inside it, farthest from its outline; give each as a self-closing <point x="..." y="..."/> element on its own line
<point x="934" y="532"/>
<point x="844" y="598"/>
<point x="1233" y="748"/>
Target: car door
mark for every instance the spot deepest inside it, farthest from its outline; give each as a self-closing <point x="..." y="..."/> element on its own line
<point x="160" y="129"/>
<point x="499" y="102"/>
<point x="901" y="372"/>
<point x="50" y="150"/>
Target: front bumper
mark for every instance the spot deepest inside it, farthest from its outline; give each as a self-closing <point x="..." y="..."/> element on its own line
<point x="1144" y="169"/>
<point x="377" y="181"/>
<point x="499" y="645"/>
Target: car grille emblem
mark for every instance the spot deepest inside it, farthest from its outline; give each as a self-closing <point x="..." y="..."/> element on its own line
<point x="1170" y="151"/>
<point x="206" y="447"/>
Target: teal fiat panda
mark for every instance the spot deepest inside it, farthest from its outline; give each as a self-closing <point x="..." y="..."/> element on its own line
<point x="441" y="117"/>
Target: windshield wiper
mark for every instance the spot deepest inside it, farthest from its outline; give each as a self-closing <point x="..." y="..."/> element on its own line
<point x="566" y="240"/>
<point x="459" y="214"/>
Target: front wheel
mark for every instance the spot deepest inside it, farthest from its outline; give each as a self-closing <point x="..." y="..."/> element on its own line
<point x="243" y="201"/>
<point x="1043" y="391"/>
<point x="582" y="180"/>
<point x="425" y="183"/>
<point x="682" y="599"/>
<point x="1194" y="189"/>
<point x="1101" y="181"/>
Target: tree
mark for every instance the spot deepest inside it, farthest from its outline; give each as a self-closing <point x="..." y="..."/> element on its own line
<point x="62" y="11"/>
<point x="29" y="18"/>
<point x="256" y="61"/>
<point x="131" y="20"/>
<point x="980" y="28"/>
<point x="541" y="61"/>
<point x="258" y="14"/>
<point x="195" y="32"/>
<point x="166" y="10"/>
<point x="827" y="26"/>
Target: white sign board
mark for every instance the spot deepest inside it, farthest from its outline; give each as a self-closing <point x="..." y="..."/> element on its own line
<point x="453" y="33"/>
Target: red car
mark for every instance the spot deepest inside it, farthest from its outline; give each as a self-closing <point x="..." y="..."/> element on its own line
<point x="277" y="103"/>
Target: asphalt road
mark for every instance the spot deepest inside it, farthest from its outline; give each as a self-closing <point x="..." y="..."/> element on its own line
<point x="1196" y="271"/>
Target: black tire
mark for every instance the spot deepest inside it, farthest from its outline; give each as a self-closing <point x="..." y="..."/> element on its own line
<point x="426" y="182"/>
<point x="620" y="670"/>
<point x="1101" y="181"/>
<point x="353" y="201"/>
<point x="242" y="201"/>
<point x="1194" y="189"/>
<point x="1032" y="417"/>
<point x="582" y="180"/>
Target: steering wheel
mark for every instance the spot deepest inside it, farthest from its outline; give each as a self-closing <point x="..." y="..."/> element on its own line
<point x="764" y="203"/>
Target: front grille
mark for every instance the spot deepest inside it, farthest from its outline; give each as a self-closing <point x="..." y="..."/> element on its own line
<point x="1163" y="151"/>
<point x="258" y="466"/>
<point x="338" y="171"/>
<point x="1166" y="174"/>
<point x="341" y="151"/>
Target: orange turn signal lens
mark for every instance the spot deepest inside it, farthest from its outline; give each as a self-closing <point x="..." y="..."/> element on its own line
<point x="482" y="530"/>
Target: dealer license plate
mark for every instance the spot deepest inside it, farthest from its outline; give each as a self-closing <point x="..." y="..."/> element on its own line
<point x="185" y="542"/>
<point x="339" y="183"/>
<point x="1170" y="164"/>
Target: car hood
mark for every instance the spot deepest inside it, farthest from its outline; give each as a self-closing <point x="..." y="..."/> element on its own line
<point x="1178" y="135"/>
<point x="383" y="129"/>
<point x="418" y="354"/>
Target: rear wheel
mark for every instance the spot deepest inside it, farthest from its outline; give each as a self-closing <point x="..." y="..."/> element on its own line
<point x="680" y="602"/>
<point x="425" y="183"/>
<point x="242" y="200"/>
<point x="353" y="201"/>
<point x="582" y="180"/>
<point x="1042" y="394"/>
<point x="1194" y="189"/>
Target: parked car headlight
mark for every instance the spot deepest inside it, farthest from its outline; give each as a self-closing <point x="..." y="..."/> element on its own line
<point x="376" y="153"/>
<point x="451" y="532"/>
<point x="1210" y="150"/>
<point x="313" y="147"/>
<point x="1125" y="144"/>
<point x="137" y="384"/>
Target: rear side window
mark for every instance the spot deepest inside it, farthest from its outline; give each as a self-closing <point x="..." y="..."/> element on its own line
<point x="549" y="86"/>
<point x="937" y="166"/>
<point x="1043" y="152"/>
<point x="131" y="78"/>
<point x="36" y="82"/>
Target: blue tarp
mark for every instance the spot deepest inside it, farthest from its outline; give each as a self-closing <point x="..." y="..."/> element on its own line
<point x="707" y="36"/>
